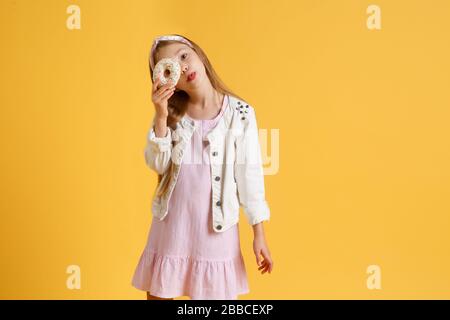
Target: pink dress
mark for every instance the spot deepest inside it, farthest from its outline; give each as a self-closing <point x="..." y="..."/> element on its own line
<point x="184" y="256"/>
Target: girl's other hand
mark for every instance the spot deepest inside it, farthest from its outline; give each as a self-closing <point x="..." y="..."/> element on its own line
<point x="260" y="248"/>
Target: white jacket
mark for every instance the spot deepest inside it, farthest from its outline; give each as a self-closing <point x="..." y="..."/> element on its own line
<point x="237" y="176"/>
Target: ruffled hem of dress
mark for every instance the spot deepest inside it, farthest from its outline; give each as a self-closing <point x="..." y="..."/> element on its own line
<point x="168" y="276"/>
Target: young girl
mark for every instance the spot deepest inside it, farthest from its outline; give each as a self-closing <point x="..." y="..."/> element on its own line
<point x="193" y="248"/>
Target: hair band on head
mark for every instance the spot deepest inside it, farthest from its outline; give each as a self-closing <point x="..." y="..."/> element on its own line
<point x="166" y="38"/>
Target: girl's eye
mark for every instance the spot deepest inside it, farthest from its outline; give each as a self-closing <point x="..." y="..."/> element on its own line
<point x="184" y="55"/>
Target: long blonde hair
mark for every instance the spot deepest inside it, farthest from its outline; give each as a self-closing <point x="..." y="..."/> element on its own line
<point x="177" y="103"/>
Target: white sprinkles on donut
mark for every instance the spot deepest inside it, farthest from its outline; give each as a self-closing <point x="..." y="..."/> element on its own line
<point x="167" y="66"/>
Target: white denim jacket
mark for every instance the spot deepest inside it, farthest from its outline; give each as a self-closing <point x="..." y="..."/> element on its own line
<point x="237" y="176"/>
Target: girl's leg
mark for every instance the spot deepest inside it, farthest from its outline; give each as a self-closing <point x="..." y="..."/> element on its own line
<point x="150" y="297"/>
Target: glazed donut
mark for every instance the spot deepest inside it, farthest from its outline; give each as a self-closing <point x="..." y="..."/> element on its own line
<point x="167" y="69"/>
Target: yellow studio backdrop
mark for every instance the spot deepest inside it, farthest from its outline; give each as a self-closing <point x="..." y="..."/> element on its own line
<point x="363" y="178"/>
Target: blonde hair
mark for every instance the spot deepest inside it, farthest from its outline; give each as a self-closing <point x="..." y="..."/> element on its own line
<point x="177" y="103"/>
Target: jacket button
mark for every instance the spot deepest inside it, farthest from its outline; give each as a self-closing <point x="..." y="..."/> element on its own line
<point x="219" y="227"/>
<point x="218" y="203"/>
<point x="217" y="178"/>
<point x="214" y="153"/>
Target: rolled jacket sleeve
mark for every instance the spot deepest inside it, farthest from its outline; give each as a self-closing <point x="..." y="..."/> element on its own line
<point x="249" y="172"/>
<point x="158" y="150"/>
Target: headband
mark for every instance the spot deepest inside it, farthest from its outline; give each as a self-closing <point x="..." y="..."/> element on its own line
<point x="165" y="38"/>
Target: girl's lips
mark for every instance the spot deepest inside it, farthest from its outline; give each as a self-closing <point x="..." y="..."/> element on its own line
<point x="191" y="76"/>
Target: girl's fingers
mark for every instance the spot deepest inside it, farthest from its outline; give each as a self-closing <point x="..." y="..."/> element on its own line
<point x="267" y="266"/>
<point x="265" y="270"/>
<point x="263" y="265"/>
<point x="161" y="91"/>
<point x="155" y="85"/>
<point x="165" y="88"/>
<point x="267" y="257"/>
<point x="164" y="92"/>
<point x="167" y="94"/>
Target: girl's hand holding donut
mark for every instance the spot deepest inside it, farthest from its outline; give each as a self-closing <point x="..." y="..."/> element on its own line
<point x="160" y="96"/>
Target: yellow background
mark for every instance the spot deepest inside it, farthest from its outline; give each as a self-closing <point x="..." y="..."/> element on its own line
<point x="363" y="116"/>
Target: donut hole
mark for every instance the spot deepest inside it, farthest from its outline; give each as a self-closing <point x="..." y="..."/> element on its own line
<point x="166" y="73"/>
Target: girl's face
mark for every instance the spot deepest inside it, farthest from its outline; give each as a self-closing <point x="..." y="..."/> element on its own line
<point x="189" y="62"/>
